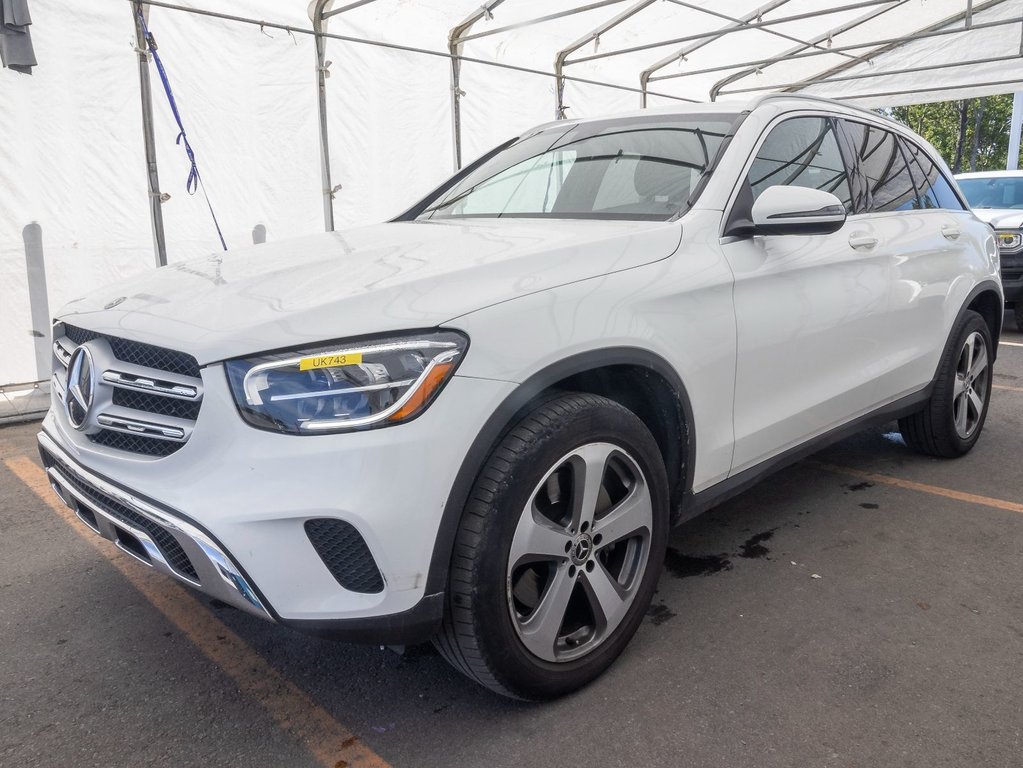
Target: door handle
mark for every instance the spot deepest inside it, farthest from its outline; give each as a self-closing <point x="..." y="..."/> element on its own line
<point x="951" y="233"/>
<point x="862" y="241"/>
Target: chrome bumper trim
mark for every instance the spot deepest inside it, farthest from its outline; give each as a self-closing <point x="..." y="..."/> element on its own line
<point x="218" y="576"/>
<point x="153" y="551"/>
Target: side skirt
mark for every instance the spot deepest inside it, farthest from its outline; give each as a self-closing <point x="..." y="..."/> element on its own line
<point x="696" y="504"/>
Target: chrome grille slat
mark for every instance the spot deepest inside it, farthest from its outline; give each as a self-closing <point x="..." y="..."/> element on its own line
<point x="152" y="385"/>
<point x="134" y="426"/>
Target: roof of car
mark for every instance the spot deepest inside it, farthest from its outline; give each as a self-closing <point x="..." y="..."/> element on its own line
<point x="991" y="175"/>
<point x="735" y="107"/>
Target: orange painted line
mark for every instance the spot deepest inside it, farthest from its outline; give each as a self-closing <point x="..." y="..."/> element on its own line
<point x="331" y="744"/>
<point x="1007" y="388"/>
<point x="934" y="490"/>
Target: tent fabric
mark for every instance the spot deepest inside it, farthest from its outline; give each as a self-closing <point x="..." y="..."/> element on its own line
<point x="15" y="42"/>
<point x="72" y="168"/>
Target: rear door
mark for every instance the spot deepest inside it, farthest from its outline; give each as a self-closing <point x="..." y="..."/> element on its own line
<point x="924" y="231"/>
<point x="811" y="311"/>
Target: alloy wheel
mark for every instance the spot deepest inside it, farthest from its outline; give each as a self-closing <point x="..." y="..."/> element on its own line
<point x="971" y="388"/>
<point x="579" y="552"/>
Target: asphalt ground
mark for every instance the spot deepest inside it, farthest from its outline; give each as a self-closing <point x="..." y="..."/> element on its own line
<point x="861" y="608"/>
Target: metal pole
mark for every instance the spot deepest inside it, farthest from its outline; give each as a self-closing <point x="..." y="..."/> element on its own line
<point x="455" y="42"/>
<point x="850" y="25"/>
<point x="564" y="53"/>
<point x="799" y="85"/>
<point x="1012" y="162"/>
<point x="681" y="54"/>
<point x="149" y="139"/>
<point x="321" y="106"/>
<point x="890" y="41"/>
<point x="828" y="11"/>
<point x="408" y="48"/>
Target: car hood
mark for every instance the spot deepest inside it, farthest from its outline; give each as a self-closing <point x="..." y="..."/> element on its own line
<point x="375" y="279"/>
<point x="1001" y="218"/>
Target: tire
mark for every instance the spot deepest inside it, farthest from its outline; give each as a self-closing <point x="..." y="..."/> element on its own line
<point x="532" y="566"/>
<point x="953" y="418"/>
<point x="1017" y="312"/>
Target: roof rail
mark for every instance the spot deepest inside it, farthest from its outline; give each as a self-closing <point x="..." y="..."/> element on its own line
<point x="757" y="101"/>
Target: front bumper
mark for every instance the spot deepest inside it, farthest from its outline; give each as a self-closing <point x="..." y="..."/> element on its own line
<point x="151" y="535"/>
<point x="234" y="500"/>
<point x="1012" y="276"/>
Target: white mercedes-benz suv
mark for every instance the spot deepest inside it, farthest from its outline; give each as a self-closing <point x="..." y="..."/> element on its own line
<point x="477" y="423"/>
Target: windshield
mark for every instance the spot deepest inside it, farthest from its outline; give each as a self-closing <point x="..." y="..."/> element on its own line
<point x="993" y="192"/>
<point x="640" y="168"/>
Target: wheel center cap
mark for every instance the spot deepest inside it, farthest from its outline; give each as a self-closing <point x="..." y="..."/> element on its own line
<point x="581" y="549"/>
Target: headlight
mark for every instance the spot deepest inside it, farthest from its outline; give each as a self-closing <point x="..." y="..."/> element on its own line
<point x="1009" y="241"/>
<point x="345" y="385"/>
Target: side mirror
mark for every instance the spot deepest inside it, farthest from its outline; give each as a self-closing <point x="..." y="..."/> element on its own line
<point x="797" y="211"/>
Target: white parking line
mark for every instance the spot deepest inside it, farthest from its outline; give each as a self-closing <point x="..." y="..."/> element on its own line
<point x="1009" y="344"/>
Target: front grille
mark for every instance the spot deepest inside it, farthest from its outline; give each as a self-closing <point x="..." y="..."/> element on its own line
<point x="1012" y="274"/>
<point x="163" y="406"/>
<point x="137" y="353"/>
<point x="147" y="446"/>
<point x="345" y="553"/>
<point x="147" y="412"/>
<point x="172" y="551"/>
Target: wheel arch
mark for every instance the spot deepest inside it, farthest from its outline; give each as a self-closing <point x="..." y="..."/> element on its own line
<point x="638" y="379"/>
<point x="986" y="300"/>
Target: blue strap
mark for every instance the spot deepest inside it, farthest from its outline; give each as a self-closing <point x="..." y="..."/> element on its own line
<point x="194" y="181"/>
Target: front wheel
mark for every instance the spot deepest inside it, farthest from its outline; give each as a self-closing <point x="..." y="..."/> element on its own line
<point x="951" y="422"/>
<point x="558" y="551"/>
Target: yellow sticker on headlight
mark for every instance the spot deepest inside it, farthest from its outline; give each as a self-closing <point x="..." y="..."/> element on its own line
<point x="1009" y="239"/>
<point x="329" y="361"/>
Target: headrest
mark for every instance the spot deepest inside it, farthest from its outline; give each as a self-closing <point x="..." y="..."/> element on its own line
<point x="659" y="179"/>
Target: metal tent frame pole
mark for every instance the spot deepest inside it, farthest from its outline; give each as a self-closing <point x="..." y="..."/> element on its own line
<point x="564" y="53"/>
<point x="932" y="30"/>
<point x="681" y="54"/>
<point x="731" y="30"/>
<point x="326" y="185"/>
<point x="808" y="54"/>
<point x="1012" y="160"/>
<point x="321" y="11"/>
<point x="149" y="139"/>
<point x="456" y="41"/>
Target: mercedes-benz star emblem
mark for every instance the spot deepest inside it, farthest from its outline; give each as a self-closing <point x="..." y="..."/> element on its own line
<point x="81" y="386"/>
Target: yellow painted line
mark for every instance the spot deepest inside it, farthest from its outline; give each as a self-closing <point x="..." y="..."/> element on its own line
<point x="1007" y="388"/>
<point x="934" y="490"/>
<point x="1009" y="344"/>
<point x="331" y="744"/>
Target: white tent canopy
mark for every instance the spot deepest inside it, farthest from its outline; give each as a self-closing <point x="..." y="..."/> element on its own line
<point x="74" y="202"/>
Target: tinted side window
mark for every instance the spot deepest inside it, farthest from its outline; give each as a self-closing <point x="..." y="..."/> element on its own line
<point x="937" y="185"/>
<point x="884" y="167"/>
<point x="925" y="197"/>
<point x="801" y="152"/>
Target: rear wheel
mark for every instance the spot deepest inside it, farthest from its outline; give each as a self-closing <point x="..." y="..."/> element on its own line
<point x="951" y="422"/>
<point x="558" y="550"/>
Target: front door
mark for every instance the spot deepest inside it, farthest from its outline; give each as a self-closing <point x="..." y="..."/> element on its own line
<point x="810" y="310"/>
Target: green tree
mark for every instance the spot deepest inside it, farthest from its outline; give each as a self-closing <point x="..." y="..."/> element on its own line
<point x="963" y="130"/>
